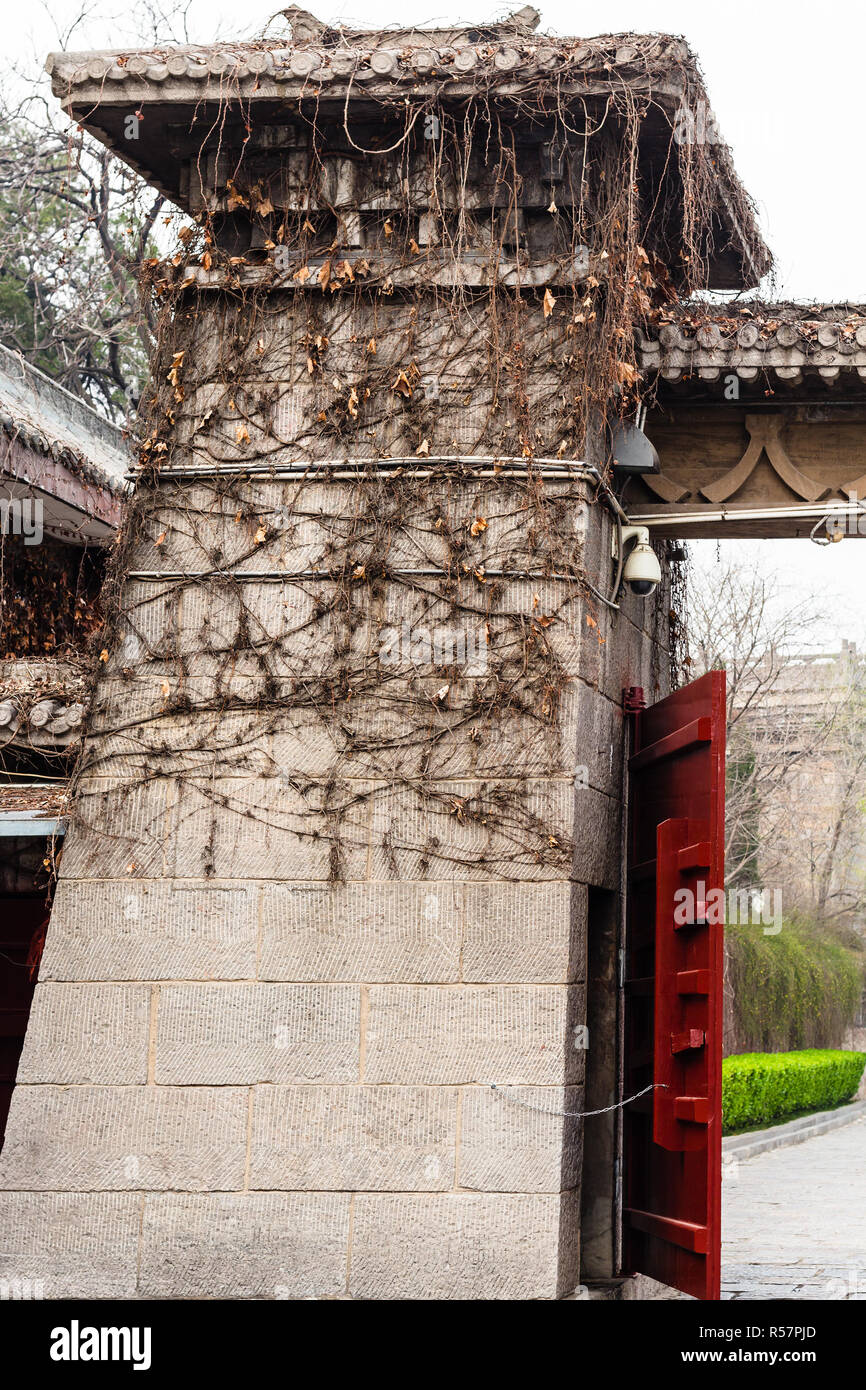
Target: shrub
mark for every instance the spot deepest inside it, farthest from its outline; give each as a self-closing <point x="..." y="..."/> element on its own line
<point x="799" y="989"/>
<point x="760" y="1087"/>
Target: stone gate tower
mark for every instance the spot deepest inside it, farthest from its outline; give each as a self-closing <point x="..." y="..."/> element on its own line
<point x="340" y="897"/>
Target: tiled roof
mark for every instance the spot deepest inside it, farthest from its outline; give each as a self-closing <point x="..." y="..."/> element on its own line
<point x="494" y="56"/>
<point x="314" y="67"/>
<point x="48" y="419"/>
<point x="785" y="339"/>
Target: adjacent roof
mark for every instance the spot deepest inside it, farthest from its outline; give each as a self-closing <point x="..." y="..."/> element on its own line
<point x="52" y="443"/>
<point x="787" y="340"/>
<point x="319" y="65"/>
<point x="30" y="809"/>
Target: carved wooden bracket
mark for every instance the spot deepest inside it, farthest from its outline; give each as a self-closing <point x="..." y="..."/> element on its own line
<point x="664" y="488"/>
<point x="764" y="438"/>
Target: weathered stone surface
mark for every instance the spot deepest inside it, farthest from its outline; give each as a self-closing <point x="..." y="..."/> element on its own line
<point x="594" y="529"/>
<point x="447" y="1035"/>
<point x="630" y="658"/>
<point x="204" y="527"/>
<point x="148" y="626"/>
<point x="597" y="838"/>
<point x="73" y="1245"/>
<point x="400" y="727"/>
<point x="80" y="1033"/>
<point x="354" y="1138"/>
<point x="572" y="641"/>
<point x="561" y="644"/>
<point x="250" y="1245"/>
<point x="255" y="728"/>
<point x="599" y="742"/>
<point x="228" y="1035"/>
<point x="517" y="1139"/>
<point x="368" y="932"/>
<point x="292" y="526"/>
<point x="118" y="830"/>
<point x="85" y="1138"/>
<point x="523" y="932"/>
<point x="154" y="930"/>
<point x="148" y="741"/>
<point x="472" y="830"/>
<point x="266" y="828"/>
<point x="462" y="1246"/>
<point x="300" y="625"/>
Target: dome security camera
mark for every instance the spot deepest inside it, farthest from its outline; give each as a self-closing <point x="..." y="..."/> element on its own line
<point x="642" y="571"/>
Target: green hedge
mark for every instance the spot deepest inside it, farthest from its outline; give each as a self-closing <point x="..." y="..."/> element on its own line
<point x="761" y="1087"/>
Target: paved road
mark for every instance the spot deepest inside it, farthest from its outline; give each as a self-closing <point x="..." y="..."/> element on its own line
<point x="794" y="1220"/>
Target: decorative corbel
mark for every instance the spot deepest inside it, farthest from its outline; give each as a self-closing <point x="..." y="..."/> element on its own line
<point x="663" y="487"/>
<point x="764" y="433"/>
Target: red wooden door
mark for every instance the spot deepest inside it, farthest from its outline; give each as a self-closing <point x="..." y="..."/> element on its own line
<point x="673" y="990"/>
<point x="22" y="920"/>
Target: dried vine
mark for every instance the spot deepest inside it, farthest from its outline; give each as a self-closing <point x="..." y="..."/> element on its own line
<point x="344" y="417"/>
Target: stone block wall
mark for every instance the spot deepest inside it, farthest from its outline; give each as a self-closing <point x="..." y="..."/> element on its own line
<point x="294" y="947"/>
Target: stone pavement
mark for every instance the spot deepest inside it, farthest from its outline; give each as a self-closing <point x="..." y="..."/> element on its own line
<point x="794" y="1220"/>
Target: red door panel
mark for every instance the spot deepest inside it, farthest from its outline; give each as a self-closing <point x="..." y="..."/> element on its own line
<point x="673" y="990"/>
<point x="22" y="920"/>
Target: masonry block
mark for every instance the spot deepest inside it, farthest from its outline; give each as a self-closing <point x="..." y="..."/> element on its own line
<point x="559" y="611"/>
<point x="155" y="930"/>
<point x="70" y="1244"/>
<point x="83" y="1032"/>
<point x="153" y="743"/>
<point x="447" y="1035"/>
<point x="600" y="738"/>
<point x="367" y="932"/>
<point x="90" y="1138"/>
<point x="148" y="627"/>
<point x="473" y="830"/>
<point x="303" y="626"/>
<point x="597" y="838"/>
<point x="268" y="828"/>
<point x="251" y="1245"/>
<point x="393" y="722"/>
<point x="463" y="1246"/>
<point x="523" y="932"/>
<point x="117" y="830"/>
<point x="354" y="1138"/>
<point x="258" y="525"/>
<point x="228" y="1035"/>
<point x="520" y="1138"/>
<point x="203" y="527"/>
<point x="403" y="727"/>
<point x="629" y="659"/>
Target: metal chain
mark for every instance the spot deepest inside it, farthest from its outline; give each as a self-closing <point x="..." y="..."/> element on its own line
<point x="577" y="1114"/>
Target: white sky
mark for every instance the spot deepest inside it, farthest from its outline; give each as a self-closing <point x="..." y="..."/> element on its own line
<point x="786" y="83"/>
